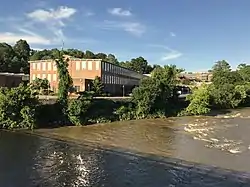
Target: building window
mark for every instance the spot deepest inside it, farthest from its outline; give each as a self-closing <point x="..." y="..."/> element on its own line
<point x="105" y="66"/>
<point x="90" y="65"/>
<point x="44" y="66"/>
<point x="54" y="77"/>
<point x="33" y="77"/>
<point x="54" y="66"/>
<point x="104" y="78"/>
<point x="78" y="65"/>
<point x="44" y="76"/>
<point x="34" y="66"/>
<point x="97" y="65"/>
<point x="38" y="66"/>
<point x="108" y="79"/>
<point x="49" y="77"/>
<point x="38" y="76"/>
<point x="49" y="66"/>
<point x="83" y="64"/>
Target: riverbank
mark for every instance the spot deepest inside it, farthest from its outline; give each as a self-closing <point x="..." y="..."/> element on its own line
<point x="222" y="136"/>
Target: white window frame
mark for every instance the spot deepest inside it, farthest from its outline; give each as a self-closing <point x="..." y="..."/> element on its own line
<point x="44" y="66"/>
<point x="84" y="65"/>
<point x="33" y="77"/>
<point x="78" y="65"/>
<point x="54" y="77"/>
<point x="97" y="65"/>
<point x="38" y="76"/>
<point x="38" y="66"/>
<point x="49" y="66"/>
<point x="49" y="77"/>
<point x="44" y="76"/>
<point x="90" y="65"/>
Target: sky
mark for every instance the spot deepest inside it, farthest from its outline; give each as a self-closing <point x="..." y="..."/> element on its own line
<point x="190" y="34"/>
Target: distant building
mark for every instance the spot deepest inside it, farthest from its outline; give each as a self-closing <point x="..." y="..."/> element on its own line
<point x="198" y="76"/>
<point x="117" y="80"/>
<point x="12" y="79"/>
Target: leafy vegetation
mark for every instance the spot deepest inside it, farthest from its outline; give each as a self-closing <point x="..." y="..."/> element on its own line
<point x="156" y="96"/>
<point x="40" y="85"/>
<point x="65" y="82"/>
<point x="97" y="86"/>
<point x="229" y="89"/>
<point x="18" y="108"/>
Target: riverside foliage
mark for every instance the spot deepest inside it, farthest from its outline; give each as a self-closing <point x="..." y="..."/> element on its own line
<point x="155" y="97"/>
<point x="229" y="89"/>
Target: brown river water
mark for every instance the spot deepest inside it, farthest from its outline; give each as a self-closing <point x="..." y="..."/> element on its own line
<point x="176" y="152"/>
<point x="222" y="140"/>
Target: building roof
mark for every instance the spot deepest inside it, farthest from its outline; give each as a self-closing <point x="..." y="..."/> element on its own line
<point x="13" y="74"/>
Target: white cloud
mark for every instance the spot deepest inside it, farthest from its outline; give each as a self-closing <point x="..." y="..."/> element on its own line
<point x="172" y="34"/>
<point x="134" y="28"/>
<point x="11" y="38"/>
<point x="52" y="14"/>
<point x="53" y="19"/>
<point x="120" y="12"/>
<point x="170" y="54"/>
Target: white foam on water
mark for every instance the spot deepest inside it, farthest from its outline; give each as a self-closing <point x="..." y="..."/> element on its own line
<point x="235" y="150"/>
<point x="204" y="131"/>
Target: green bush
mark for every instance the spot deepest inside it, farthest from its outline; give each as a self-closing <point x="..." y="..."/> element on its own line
<point x="199" y="101"/>
<point x="78" y="108"/>
<point x="18" y="108"/>
<point x="126" y="113"/>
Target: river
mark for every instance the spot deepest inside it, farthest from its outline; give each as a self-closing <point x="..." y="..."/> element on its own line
<point x="187" y="151"/>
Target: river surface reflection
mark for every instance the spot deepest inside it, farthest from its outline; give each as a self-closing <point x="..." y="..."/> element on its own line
<point x="190" y="151"/>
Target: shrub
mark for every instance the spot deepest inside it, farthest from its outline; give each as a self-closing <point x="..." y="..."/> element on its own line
<point x="18" y="108"/>
<point x="78" y="108"/>
<point x="199" y="101"/>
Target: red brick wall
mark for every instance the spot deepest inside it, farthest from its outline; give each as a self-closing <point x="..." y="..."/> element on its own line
<point x="78" y="69"/>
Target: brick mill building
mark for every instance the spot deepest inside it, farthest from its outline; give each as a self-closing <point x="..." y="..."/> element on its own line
<point x="117" y="80"/>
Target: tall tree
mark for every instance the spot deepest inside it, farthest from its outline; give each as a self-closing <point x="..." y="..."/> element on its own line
<point x="6" y="56"/>
<point x="89" y="55"/>
<point x="244" y="71"/>
<point x="22" y="50"/>
<point x="138" y="64"/>
<point x="112" y="59"/>
<point x="222" y="65"/>
<point x="65" y="82"/>
<point x="100" y="56"/>
<point x="97" y="86"/>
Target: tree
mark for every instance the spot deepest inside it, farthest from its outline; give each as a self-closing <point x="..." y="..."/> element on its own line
<point x="18" y="108"/>
<point x="100" y="56"/>
<point x="40" y="85"/>
<point x="78" y="108"/>
<point x="139" y="64"/>
<point x="97" y="86"/>
<point x="89" y="55"/>
<point x="112" y="59"/>
<point x="22" y="50"/>
<point x="6" y="56"/>
<point x="154" y="93"/>
<point x="199" y="101"/>
<point x="221" y="66"/>
<point x="65" y="82"/>
<point x="244" y="71"/>
<point x="74" y="53"/>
